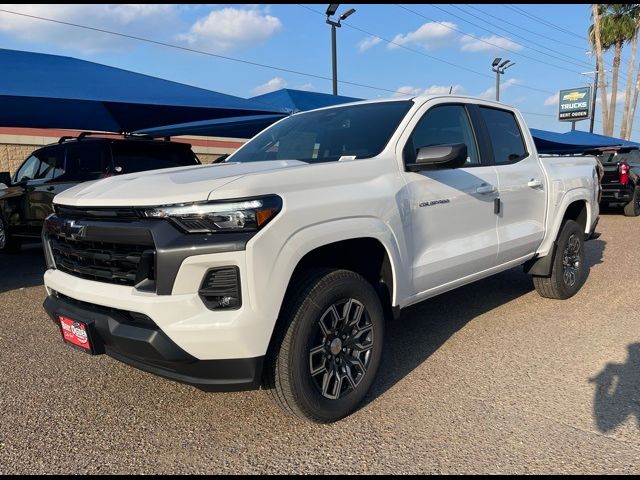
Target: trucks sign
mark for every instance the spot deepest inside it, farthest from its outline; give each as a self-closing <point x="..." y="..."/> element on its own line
<point x="574" y="104"/>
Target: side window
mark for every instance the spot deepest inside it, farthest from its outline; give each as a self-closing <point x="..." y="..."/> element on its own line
<point x="506" y="137"/>
<point x="51" y="163"/>
<point x="88" y="160"/>
<point x="442" y="125"/>
<point x="28" y="170"/>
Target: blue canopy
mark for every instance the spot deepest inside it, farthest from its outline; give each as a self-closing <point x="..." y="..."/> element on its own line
<point x="574" y="141"/>
<point x="301" y="100"/>
<point x="50" y="91"/>
<point x="285" y="101"/>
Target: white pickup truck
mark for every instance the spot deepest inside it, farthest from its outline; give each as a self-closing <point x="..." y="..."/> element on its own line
<point x="279" y="267"/>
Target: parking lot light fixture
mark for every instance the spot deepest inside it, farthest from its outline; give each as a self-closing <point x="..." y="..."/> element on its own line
<point x="331" y="11"/>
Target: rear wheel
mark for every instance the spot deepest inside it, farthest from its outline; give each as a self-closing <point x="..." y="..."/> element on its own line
<point x="7" y="242"/>
<point x="632" y="209"/>
<point x="328" y="350"/>
<point x="567" y="273"/>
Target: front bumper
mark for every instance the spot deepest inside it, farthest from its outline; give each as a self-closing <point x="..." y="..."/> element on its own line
<point x="136" y="340"/>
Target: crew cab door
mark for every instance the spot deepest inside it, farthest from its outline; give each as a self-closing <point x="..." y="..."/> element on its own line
<point x="452" y="232"/>
<point x="521" y="184"/>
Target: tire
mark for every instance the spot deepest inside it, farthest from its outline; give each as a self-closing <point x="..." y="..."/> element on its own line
<point x="566" y="278"/>
<point x="288" y="378"/>
<point x="632" y="209"/>
<point x="8" y="244"/>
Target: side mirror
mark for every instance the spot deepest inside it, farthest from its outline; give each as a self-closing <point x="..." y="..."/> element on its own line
<point x="5" y="179"/>
<point x="452" y="155"/>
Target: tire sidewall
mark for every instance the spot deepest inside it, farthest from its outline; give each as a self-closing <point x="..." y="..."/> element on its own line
<point x="304" y="389"/>
<point x="570" y="227"/>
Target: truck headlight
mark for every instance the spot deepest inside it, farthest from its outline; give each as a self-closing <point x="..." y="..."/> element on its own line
<point x="220" y="216"/>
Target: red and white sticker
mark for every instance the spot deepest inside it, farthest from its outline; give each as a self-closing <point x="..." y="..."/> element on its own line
<point x="74" y="332"/>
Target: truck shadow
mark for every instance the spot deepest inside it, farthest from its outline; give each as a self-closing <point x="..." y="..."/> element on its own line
<point x="617" y="392"/>
<point x="23" y="269"/>
<point x="423" y="328"/>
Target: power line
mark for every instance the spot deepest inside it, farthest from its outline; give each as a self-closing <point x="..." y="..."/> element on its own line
<point x="583" y="64"/>
<point x="419" y="52"/>
<point x="501" y="47"/>
<point x="520" y="27"/>
<point x="193" y="50"/>
<point x="540" y="20"/>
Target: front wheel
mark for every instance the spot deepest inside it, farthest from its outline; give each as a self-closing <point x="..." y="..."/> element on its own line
<point x="632" y="209"/>
<point x="326" y="355"/>
<point x="568" y="270"/>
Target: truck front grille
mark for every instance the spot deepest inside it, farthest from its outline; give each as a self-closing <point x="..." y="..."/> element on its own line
<point x="119" y="264"/>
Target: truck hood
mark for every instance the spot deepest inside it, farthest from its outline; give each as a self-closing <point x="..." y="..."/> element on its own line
<point x="163" y="187"/>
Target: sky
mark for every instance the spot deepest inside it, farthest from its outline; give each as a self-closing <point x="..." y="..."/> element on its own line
<point x="387" y="50"/>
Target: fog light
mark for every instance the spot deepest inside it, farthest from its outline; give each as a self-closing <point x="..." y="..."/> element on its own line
<point x="220" y="289"/>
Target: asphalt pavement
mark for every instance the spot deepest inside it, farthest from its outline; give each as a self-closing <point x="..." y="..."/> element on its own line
<point x="488" y="378"/>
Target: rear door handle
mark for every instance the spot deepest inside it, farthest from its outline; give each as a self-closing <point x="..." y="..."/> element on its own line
<point x="535" y="183"/>
<point x="486" y="189"/>
<point x="50" y="189"/>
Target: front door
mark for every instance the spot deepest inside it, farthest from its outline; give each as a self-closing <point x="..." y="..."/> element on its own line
<point x="453" y="225"/>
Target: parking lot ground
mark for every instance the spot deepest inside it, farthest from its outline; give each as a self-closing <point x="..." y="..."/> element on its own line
<point x="486" y="378"/>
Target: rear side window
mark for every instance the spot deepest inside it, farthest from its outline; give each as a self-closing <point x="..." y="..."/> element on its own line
<point x="130" y="157"/>
<point x="86" y="161"/>
<point x="506" y="137"/>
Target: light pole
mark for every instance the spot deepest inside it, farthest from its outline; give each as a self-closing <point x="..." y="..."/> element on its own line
<point x="499" y="68"/>
<point x="331" y="11"/>
<point x="595" y="74"/>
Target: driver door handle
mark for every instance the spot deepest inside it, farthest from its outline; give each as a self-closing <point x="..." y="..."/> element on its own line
<point x="535" y="183"/>
<point x="50" y="189"/>
<point x="485" y="189"/>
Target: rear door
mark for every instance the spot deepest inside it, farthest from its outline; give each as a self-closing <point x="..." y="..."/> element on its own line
<point x="521" y="184"/>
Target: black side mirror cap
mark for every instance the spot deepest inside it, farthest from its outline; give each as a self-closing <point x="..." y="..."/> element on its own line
<point x="451" y="155"/>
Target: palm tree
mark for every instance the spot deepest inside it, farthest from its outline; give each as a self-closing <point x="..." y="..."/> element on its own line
<point x="616" y="27"/>
<point x="632" y="11"/>
<point x="630" y="105"/>
<point x="595" y="38"/>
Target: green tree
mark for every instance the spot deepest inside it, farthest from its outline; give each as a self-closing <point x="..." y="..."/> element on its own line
<point x="616" y="27"/>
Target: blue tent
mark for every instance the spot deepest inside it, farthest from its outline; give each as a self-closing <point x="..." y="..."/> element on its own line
<point x="301" y="100"/>
<point x="574" y="141"/>
<point x="50" y="91"/>
<point x="285" y="101"/>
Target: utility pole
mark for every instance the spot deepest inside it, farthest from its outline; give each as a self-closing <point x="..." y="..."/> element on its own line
<point x="499" y="69"/>
<point x="331" y="11"/>
<point x="595" y="74"/>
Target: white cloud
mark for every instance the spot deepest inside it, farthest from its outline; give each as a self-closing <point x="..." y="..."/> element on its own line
<point x="490" y="93"/>
<point x="307" y="87"/>
<point x="430" y="35"/>
<point x="368" y="42"/>
<point x="432" y="90"/>
<point x="620" y="95"/>
<point x="488" y="44"/>
<point x="552" y="100"/>
<point x="142" y="20"/>
<point x="272" y="85"/>
<point x="231" y="28"/>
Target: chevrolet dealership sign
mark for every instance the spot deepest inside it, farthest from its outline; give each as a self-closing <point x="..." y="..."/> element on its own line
<point x="575" y="104"/>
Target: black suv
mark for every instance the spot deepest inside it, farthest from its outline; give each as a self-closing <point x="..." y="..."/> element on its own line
<point x="621" y="180"/>
<point x="27" y="199"/>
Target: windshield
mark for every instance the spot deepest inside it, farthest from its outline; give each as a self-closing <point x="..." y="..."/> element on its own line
<point x="326" y="135"/>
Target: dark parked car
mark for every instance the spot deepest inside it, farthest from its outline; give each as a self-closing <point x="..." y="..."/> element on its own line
<point x="26" y="198"/>
<point x="621" y="180"/>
